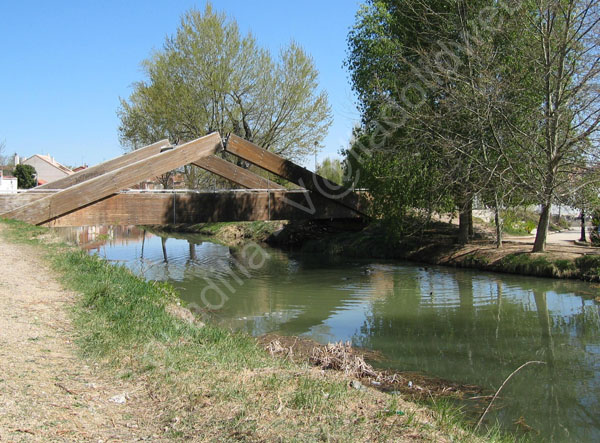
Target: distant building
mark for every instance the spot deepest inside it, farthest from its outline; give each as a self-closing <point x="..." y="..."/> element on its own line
<point x="8" y="184"/>
<point x="148" y="185"/>
<point x="47" y="168"/>
<point x="175" y="181"/>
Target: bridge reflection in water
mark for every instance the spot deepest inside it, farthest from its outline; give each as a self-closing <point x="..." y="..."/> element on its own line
<point x="465" y="326"/>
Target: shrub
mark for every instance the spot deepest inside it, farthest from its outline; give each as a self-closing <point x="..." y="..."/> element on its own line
<point x="25" y="175"/>
<point x="589" y="266"/>
<point x="594" y="233"/>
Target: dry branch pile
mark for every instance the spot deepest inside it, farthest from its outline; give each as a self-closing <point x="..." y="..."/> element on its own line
<point x="341" y="357"/>
<point x="344" y="358"/>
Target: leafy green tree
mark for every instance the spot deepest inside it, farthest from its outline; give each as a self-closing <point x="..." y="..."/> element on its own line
<point x="407" y="189"/>
<point x="438" y="84"/>
<point x="208" y="77"/>
<point x="387" y="156"/>
<point x="331" y="169"/>
<point x="26" y="176"/>
<point x="595" y="231"/>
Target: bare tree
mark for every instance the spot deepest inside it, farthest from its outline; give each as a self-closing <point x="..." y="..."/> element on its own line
<point x="520" y="118"/>
<point x="568" y="60"/>
<point x="166" y="180"/>
<point x="3" y="158"/>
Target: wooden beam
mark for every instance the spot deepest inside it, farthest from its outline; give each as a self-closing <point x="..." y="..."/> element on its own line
<point x="293" y="172"/>
<point x="107" y="166"/>
<point x="236" y="174"/>
<point x="95" y="189"/>
<point x="151" y="208"/>
<point x="8" y="202"/>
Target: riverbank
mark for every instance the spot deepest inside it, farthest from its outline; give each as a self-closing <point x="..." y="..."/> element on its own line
<point x="436" y="246"/>
<point x="231" y="233"/>
<point x="174" y="377"/>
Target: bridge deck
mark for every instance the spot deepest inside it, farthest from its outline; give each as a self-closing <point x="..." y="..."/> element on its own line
<point x="188" y="207"/>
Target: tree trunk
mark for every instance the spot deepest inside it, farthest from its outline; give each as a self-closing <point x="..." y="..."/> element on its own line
<point x="463" y="226"/>
<point x="542" y="229"/>
<point x="582" y="238"/>
<point x="470" y="215"/>
<point x="465" y="220"/>
<point x="498" y="221"/>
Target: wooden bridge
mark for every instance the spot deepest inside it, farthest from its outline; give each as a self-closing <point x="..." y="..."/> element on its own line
<point x="100" y="195"/>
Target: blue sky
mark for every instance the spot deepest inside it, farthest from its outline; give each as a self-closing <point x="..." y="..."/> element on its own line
<point x="65" y="64"/>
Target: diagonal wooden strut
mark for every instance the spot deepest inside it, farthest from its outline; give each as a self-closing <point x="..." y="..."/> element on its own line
<point x="234" y="173"/>
<point x="292" y="172"/>
<point x="107" y="166"/>
<point x="95" y="189"/>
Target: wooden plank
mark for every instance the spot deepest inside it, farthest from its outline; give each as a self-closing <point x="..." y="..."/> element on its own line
<point x="294" y="173"/>
<point x="192" y="208"/>
<point x="8" y="202"/>
<point x="107" y="184"/>
<point x="107" y="166"/>
<point x="236" y="174"/>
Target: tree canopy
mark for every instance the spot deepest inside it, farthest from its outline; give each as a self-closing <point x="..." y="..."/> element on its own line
<point x="482" y="99"/>
<point x="208" y="77"/>
<point x="26" y="176"/>
<point x="332" y="169"/>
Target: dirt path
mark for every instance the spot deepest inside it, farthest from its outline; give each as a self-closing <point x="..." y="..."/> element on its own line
<point x="47" y="392"/>
<point x="562" y="238"/>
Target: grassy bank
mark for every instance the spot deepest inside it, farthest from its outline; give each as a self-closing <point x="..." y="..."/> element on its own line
<point x="208" y="383"/>
<point x="228" y="232"/>
<point x="437" y="246"/>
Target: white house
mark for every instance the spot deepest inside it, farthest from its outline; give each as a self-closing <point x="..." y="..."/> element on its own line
<point x="8" y="184"/>
<point x="47" y="168"/>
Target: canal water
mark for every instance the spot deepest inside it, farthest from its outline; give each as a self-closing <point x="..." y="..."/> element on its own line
<point x="466" y="326"/>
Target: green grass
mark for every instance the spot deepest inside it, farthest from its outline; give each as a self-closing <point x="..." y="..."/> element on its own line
<point x="475" y="261"/>
<point x="519" y="221"/>
<point x="523" y="263"/>
<point x="118" y="310"/>
<point x="20" y="232"/>
<point x="586" y="267"/>
<point x="518" y="229"/>
<point x="522" y="221"/>
<point x="255" y="230"/>
<point x="212" y="379"/>
<point x="589" y="267"/>
<point x="315" y="395"/>
<point x="450" y="415"/>
<point x="210" y="228"/>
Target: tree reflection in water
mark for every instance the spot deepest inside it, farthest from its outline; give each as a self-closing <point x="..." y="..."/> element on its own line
<point x="471" y="341"/>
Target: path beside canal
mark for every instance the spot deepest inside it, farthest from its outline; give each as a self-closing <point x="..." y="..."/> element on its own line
<point x="47" y="392"/>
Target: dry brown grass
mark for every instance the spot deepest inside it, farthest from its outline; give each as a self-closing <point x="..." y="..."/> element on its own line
<point x="47" y="392"/>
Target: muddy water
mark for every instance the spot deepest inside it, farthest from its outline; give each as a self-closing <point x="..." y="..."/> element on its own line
<point x="466" y="326"/>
